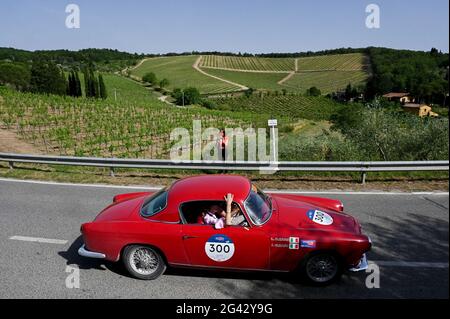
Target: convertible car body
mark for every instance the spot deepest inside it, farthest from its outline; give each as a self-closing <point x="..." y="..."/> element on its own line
<point x="278" y="232"/>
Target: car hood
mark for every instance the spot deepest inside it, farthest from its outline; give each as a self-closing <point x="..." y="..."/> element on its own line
<point x="121" y="210"/>
<point x="298" y="214"/>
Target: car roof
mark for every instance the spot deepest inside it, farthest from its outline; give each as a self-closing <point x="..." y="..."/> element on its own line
<point x="213" y="187"/>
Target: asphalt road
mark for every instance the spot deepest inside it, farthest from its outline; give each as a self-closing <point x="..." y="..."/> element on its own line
<point x="409" y="234"/>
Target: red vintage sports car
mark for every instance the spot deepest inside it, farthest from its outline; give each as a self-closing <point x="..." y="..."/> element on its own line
<point x="276" y="232"/>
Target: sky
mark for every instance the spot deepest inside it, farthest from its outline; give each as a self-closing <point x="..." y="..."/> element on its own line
<point x="254" y="26"/>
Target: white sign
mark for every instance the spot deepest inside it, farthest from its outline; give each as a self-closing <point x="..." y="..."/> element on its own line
<point x="272" y="122"/>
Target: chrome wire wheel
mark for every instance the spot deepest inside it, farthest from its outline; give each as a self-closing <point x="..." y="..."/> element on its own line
<point x="143" y="260"/>
<point x="322" y="268"/>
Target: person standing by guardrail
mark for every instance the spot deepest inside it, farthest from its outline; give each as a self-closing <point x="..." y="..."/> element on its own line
<point x="222" y="144"/>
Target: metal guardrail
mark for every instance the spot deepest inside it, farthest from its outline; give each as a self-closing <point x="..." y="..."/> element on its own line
<point x="361" y="167"/>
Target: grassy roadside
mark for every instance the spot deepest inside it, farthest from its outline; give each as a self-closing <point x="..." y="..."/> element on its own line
<point x="403" y="181"/>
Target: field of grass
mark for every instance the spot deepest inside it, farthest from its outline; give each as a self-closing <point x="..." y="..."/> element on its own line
<point x="267" y="81"/>
<point x="293" y="105"/>
<point x="248" y="63"/>
<point x="326" y="81"/>
<point x="126" y="90"/>
<point x="349" y="62"/>
<point x="180" y="73"/>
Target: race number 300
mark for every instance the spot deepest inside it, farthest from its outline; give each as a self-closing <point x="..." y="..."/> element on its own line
<point x="219" y="248"/>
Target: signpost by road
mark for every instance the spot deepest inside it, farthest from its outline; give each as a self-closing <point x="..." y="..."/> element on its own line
<point x="272" y="123"/>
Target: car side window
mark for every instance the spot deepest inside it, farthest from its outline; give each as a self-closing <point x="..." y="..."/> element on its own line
<point x="194" y="212"/>
<point x="154" y="204"/>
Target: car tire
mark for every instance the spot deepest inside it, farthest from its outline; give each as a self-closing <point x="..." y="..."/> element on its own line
<point x="321" y="269"/>
<point x="143" y="262"/>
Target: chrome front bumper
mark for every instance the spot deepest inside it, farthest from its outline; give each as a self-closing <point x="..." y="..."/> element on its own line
<point x="91" y="254"/>
<point x="363" y="265"/>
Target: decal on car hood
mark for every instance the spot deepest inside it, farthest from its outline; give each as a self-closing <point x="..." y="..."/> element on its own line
<point x="319" y="217"/>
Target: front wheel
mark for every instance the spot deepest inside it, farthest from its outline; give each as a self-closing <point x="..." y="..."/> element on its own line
<point x="143" y="262"/>
<point x="321" y="268"/>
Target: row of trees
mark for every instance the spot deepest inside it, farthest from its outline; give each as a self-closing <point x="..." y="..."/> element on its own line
<point x="74" y="85"/>
<point x="47" y="77"/>
<point x="94" y="87"/>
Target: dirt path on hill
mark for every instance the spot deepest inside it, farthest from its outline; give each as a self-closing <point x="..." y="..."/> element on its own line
<point x="290" y="74"/>
<point x="196" y="67"/>
<point x="10" y="143"/>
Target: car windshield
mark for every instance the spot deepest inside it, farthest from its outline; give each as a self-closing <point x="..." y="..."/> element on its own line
<point x="154" y="204"/>
<point x="258" y="206"/>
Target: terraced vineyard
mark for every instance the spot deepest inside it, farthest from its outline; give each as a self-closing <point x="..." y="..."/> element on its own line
<point x="349" y="62"/>
<point x="181" y="74"/>
<point x="267" y="81"/>
<point x="326" y="81"/>
<point x="248" y="63"/>
<point x="294" y="105"/>
<point x="88" y="127"/>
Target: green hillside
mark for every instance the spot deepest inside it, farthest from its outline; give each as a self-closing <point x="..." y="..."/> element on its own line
<point x="268" y="81"/>
<point x="293" y="105"/>
<point x="326" y="81"/>
<point x="181" y="74"/>
<point x="329" y="73"/>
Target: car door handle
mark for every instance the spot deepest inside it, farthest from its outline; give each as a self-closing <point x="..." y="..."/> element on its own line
<point x="188" y="237"/>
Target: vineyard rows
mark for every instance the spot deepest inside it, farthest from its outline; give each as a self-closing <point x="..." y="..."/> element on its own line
<point x="82" y="127"/>
<point x="296" y="106"/>
<point x="349" y="62"/>
<point x="248" y="63"/>
<point x="326" y="81"/>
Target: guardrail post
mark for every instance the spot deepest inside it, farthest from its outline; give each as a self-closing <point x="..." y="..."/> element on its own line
<point x="111" y="172"/>
<point x="363" y="177"/>
<point x="11" y="165"/>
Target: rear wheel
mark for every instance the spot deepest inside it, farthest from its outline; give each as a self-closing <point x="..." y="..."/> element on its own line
<point x="321" y="268"/>
<point x="143" y="262"/>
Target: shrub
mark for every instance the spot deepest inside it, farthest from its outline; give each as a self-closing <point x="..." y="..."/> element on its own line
<point x="150" y="78"/>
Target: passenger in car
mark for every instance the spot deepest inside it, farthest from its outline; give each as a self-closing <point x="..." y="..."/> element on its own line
<point x="216" y="216"/>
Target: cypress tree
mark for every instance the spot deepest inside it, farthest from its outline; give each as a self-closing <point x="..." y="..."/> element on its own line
<point x="102" y="87"/>
<point x="72" y="84"/>
<point x="78" y="91"/>
<point x="69" y="89"/>
<point x="93" y="84"/>
<point x="87" y="83"/>
<point x="63" y="84"/>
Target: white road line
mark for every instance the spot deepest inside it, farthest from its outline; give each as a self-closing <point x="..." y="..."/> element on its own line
<point x="410" y="264"/>
<point x="385" y="263"/>
<point x="274" y="191"/>
<point x="78" y="185"/>
<point x="353" y="192"/>
<point x="39" y="240"/>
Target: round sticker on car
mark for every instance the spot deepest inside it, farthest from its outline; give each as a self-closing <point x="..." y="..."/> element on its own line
<point x="320" y="217"/>
<point x="219" y="248"/>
